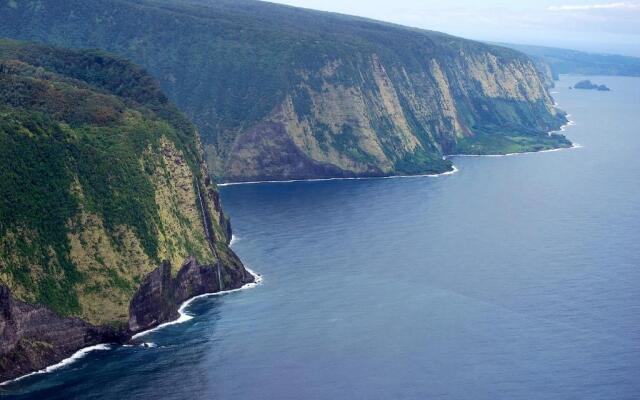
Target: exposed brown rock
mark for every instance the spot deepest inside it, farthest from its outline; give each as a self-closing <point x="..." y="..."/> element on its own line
<point x="33" y="337"/>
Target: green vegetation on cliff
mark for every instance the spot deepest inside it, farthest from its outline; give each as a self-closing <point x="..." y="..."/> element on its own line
<point x="488" y="144"/>
<point x="98" y="181"/>
<point x="279" y="92"/>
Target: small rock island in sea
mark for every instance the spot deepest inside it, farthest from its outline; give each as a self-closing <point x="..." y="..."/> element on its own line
<point x="586" y="84"/>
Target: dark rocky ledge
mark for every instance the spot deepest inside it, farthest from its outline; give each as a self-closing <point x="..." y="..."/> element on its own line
<point x="159" y="296"/>
<point x="33" y="337"/>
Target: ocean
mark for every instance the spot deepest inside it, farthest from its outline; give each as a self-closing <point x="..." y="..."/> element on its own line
<point x="516" y="277"/>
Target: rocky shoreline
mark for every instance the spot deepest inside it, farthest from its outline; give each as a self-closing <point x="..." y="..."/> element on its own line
<point x="33" y="337"/>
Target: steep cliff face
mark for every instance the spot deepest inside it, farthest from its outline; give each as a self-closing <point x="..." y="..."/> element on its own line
<point x="160" y="294"/>
<point x="102" y="179"/>
<point x="394" y="120"/>
<point x="281" y="93"/>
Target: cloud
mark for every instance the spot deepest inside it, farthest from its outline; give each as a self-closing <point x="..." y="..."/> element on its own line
<point x="602" y="6"/>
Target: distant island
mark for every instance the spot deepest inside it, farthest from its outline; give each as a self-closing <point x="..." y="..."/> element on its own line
<point x="588" y="85"/>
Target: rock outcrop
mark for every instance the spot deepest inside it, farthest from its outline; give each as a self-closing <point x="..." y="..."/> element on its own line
<point x="154" y="302"/>
<point x="588" y="85"/>
<point x="159" y="297"/>
<point x="33" y="337"/>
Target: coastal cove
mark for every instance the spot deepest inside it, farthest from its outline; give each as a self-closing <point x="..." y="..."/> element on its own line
<point x="515" y="277"/>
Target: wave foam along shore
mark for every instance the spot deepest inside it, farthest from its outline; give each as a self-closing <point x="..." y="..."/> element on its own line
<point x="67" y="361"/>
<point x="454" y="169"/>
<point x="573" y="146"/>
<point x="234" y="240"/>
<point x="183" y="318"/>
<point x="564" y="127"/>
<point x="567" y="125"/>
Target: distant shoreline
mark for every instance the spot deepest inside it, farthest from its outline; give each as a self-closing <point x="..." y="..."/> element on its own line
<point x="573" y="146"/>
<point x="453" y="170"/>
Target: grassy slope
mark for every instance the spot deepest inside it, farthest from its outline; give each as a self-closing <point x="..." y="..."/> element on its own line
<point x="85" y="208"/>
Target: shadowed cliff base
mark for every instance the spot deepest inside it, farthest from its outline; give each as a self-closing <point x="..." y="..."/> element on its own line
<point x="33" y="337"/>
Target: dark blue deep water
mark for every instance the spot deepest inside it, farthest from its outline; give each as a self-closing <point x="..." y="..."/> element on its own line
<point x="516" y="278"/>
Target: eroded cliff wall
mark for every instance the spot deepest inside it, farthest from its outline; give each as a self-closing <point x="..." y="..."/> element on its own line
<point x="279" y="92"/>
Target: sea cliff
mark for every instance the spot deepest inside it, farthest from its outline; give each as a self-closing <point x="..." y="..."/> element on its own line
<point x="33" y="337"/>
<point x="284" y="93"/>
<point x="103" y="187"/>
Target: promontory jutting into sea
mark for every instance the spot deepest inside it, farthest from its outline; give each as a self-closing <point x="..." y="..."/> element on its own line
<point x="238" y="199"/>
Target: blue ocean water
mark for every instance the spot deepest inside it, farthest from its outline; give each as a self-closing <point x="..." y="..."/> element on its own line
<point x="515" y="278"/>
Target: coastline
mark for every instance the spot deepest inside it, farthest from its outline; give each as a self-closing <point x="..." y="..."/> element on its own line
<point x="184" y="317"/>
<point x="63" y="363"/>
<point x="573" y="146"/>
<point x="107" y="346"/>
<point x="563" y="128"/>
<point x="453" y="170"/>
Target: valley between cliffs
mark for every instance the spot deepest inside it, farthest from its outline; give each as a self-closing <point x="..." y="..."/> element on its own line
<point x="282" y="93"/>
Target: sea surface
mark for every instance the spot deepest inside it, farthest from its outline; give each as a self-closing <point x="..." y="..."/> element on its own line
<point x="515" y="278"/>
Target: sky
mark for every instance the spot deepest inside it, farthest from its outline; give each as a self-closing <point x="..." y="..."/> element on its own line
<point x="595" y="26"/>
